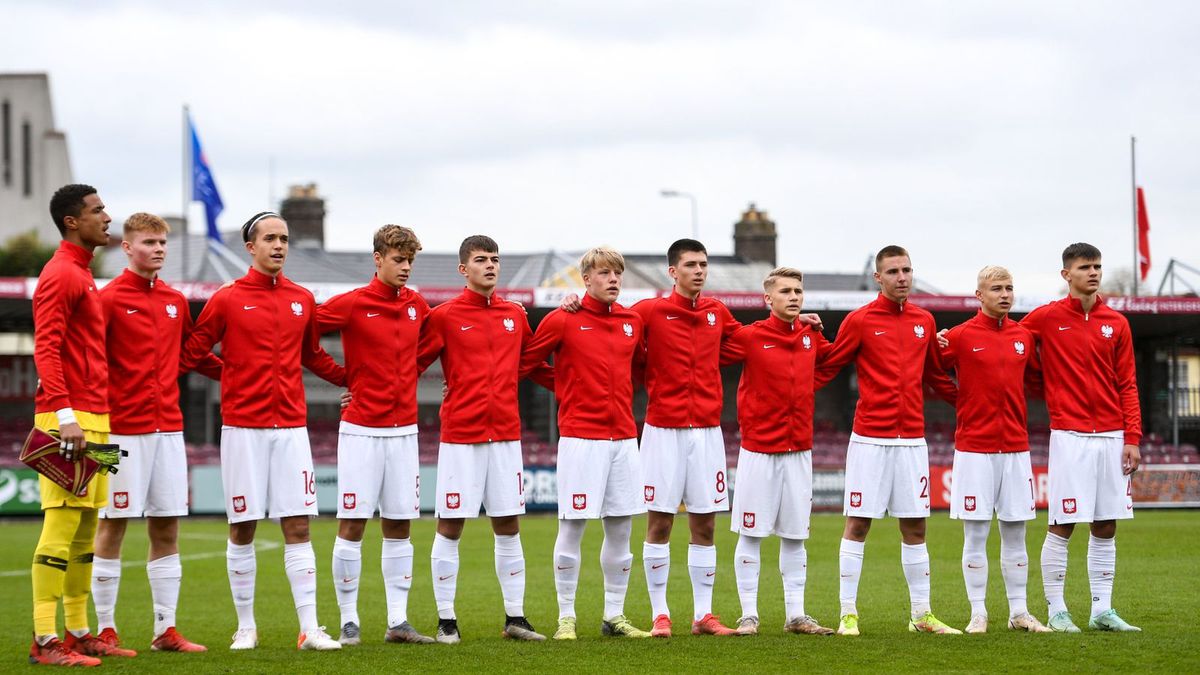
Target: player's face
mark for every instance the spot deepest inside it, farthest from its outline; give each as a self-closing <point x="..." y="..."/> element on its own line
<point x="269" y="248"/>
<point x="91" y="223"/>
<point x="690" y="273"/>
<point x="1083" y="276"/>
<point x="995" y="296"/>
<point x="393" y="267"/>
<point x="894" y="277"/>
<point x="786" y="298"/>
<point x="147" y="251"/>
<point x="603" y="284"/>
<point x="482" y="271"/>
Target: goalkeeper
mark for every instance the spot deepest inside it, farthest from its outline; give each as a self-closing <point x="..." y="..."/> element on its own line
<point x="72" y="397"/>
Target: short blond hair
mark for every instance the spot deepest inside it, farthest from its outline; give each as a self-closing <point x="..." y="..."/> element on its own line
<point x="602" y="257"/>
<point x="401" y="238"/>
<point x="145" y="222"/>
<point x="993" y="273"/>
<point x="782" y="273"/>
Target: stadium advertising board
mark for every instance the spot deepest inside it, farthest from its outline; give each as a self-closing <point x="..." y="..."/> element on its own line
<point x="19" y="492"/>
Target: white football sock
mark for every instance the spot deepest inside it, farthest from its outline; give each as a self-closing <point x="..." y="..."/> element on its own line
<point x="106" y="580"/>
<point x="347" y="569"/>
<point x="397" y="564"/>
<point x="975" y="563"/>
<point x="510" y="570"/>
<point x="793" y="567"/>
<point x="1014" y="566"/>
<point x="242" y="567"/>
<point x="702" y="568"/>
<point x="615" y="562"/>
<point x="300" y="562"/>
<point x="915" y="560"/>
<point x="850" y="562"/>
<point x="656" y="560"/>
<point x="1102" y="567"/>
<point x="165" y="575"/>
<point x="566" y="564"/>
<point x="444" y="557"/>
<point x="1054" y="572"/>
<point x="746" y="561"/>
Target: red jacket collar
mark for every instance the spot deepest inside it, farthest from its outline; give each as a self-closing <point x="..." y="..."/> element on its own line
<point x="131" y="278"/>
<point x="479" y="300"/>
<point x="255" y="278"/>
<point x="882" y="302"/>
<point x="676" y="298"/>
<point x="1075" y="305"/>
<point x="386" y="291"/>
<point x="591" y="304"/>
<point x="76" y="253"/>
<point x="775" y="323"/>
<point x="990" y="323"/>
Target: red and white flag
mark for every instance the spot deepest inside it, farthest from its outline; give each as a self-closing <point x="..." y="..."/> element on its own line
<point x="1143" y="226"/>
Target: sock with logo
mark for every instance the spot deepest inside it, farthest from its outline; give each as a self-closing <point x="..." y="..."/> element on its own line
<point x="165" y="574"/>
<point x="1102" y="567"/>
<point x="1014" y="566"/>
<point x="850" y="562"/>
<point x="566" y="564"/>
<point x="656" y="560"/>
<point x="242" y="566"/>
<point x="77" y="584"/>
<point x="1054" y="572"/>
<point x="106" y="580"/>
<point x="444" y="558"/>
<point x="915" y="560"/>
<point x="347" y="569"/>
<point x="49" y="569"/>
<point x="300" y="562"/>
<point x="397" y="564"/>
<point x="702" y="568"/>
<point x="793" y="567"/>
<point x="510" y="570"/>
<point x="975" y="563"/>
<point x="615" y="562"/>
<point x="746" y="557"/>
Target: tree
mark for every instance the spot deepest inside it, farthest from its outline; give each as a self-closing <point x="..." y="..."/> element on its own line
<point x="1117" y="282"/>
<point x="24" y="255"/>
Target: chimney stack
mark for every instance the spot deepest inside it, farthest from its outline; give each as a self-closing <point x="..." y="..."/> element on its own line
<point x="754" y="237"/>
<point x="304" y="211"/>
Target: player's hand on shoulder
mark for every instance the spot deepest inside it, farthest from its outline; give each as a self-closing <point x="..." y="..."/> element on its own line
<point x="445" y="389"/>
<point x="1131" y="459"/>
<point x="812" y="319"/>
<point x="570" y="303"/>
<point x="346" y="398"/>
<point x="943" y="341"/>
<point x="520" y="304"/>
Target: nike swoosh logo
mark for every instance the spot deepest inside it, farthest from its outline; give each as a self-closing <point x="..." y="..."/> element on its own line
<point x="564" y="568"/>
<point x="844" y="576"/>
<point x="768" y="346"/>
<point x="248" y="307"/>
<point x="449" y="576"/>
<point x="974" y="567"/>
<point x="407" y="577"/>
<point x="625" y="569"/>
<point x="513" y="574"/>
<point x="1022" y="564"/>
<point x="465" y="327"/>
<point x="240" y="573"/>
<point x="130" y="311"/>
<point x="671" y="318"/>
<point x="654" y="567"/>
<point x="372" y="315"/>
<point x="978" y="349"/>
<point x="103" y="579"/>
<point x="1064" y="328"/>
<point x="347" y="580"/>
<point x="710" y="574"/>
<point x="880" y="332"/>
<point x="585" y="328"/>
<point x="718" y="501"/>
<point x="310" y="503"/>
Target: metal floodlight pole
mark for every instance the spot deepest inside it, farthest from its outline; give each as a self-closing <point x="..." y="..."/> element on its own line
<point x="695" y="210"/>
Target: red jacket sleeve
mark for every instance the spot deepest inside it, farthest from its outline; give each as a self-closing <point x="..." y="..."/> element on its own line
<point x="53" y="302"/>
<point x="208" y="331"/>
<point x="334" y="313"/>
<point x="733" y="347"/>
<point x="210" y="364"/>
<point x="1035" y="382"/>
<point x="935" y="376"/>
<point x="1126" y="371"/>
<point x="431" y="342"/>
<point x="845" y="348"/>
<point x="543" y="373"/>
<point x="544" y="342"/>
<point x="949" y="355"/>
<point x="314" y="357"/>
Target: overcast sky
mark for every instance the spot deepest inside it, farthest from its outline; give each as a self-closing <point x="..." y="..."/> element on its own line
<point x="972" y="133"/>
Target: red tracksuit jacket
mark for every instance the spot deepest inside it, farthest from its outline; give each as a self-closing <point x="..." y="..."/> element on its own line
<point x="597" y="352"/>
<point x="775" y="395"/>
<point x="683" y="353"/>
<point x="993" y="359"/>
<point x="68" y="335"/>
<point x="894" y="348"/>
<point x="480" y="342"/>
<point x="147" y="324"/>
<point x="267" y="328"/>
<point x="1087" y="363"/>
<point x="380" y="327"/>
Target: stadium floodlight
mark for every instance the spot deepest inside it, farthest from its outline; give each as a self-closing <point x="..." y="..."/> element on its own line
<point x="691" y="198"/>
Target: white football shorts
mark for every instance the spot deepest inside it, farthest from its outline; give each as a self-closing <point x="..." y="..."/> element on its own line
<point x="598" y="479"/>
<point x="684" y="465"/>
<point x="1087" y="483"/>
<point x="773" y="494"/>
<point x="983" y="483"/>
<point x="378" y="472"/>
<point x="490" y="475"/>
<point x="887" y="479"/>
<point x="267" y="473"/>
<point x="152" y="480"/>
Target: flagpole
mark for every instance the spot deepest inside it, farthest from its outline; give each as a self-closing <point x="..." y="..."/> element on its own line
<point x="187" y="185"/>
<point x="1133" y="180"/>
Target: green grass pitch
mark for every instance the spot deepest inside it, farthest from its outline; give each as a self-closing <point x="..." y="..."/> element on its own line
<point x="1157" y="587"/>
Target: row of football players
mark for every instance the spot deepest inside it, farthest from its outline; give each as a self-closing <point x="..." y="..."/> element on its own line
<point x="268" y="328"/>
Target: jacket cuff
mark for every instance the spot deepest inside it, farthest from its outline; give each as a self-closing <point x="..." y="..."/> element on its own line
<point x="65" y="416"/>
